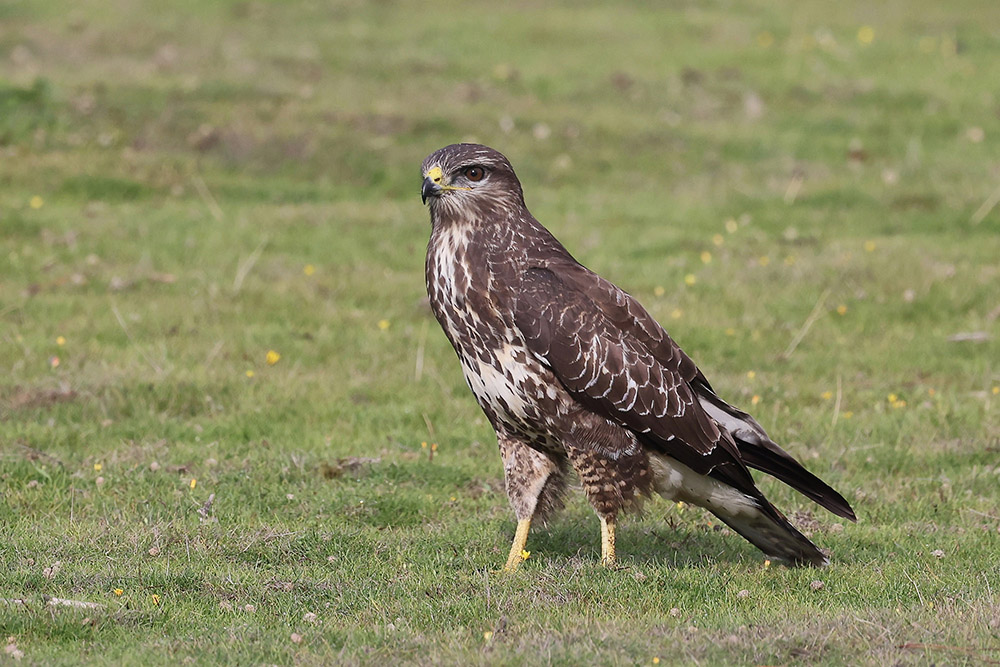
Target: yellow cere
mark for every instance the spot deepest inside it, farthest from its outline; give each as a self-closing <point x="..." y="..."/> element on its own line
<point x="436" y="175"/>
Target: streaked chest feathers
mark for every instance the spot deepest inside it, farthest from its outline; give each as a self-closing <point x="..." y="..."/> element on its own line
<point x="507" y="380"/>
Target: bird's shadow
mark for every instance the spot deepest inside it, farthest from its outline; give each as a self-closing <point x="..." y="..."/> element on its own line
<point x="646" y="544"/>
<point x="666" y="542"/>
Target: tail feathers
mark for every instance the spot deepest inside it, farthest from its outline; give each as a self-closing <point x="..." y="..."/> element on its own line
<point x="768" y="457"/>
<point x="758" y="451"/>
<point x="770" y="532"/>
<point x="750" y="515"/>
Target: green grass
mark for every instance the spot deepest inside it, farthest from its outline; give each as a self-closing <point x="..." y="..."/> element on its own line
<point x="168" y="172"/>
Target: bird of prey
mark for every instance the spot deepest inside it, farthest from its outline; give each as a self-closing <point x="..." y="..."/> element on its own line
<point x="572" y="372"/>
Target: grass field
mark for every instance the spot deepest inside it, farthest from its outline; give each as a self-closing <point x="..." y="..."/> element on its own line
<point x="804" y="193"/>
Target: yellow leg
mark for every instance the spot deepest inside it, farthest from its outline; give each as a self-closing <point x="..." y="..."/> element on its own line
<point x="516" y="556"/>
<point x="607" y="541"/>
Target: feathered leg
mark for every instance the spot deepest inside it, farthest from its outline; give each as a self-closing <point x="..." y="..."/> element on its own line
<point x="535" y="482"/>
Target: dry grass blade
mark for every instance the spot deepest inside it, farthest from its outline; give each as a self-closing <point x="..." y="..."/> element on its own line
<point x="804" y="329"/>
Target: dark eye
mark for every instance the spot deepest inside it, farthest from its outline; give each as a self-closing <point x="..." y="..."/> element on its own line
<point x="475" y="173"/>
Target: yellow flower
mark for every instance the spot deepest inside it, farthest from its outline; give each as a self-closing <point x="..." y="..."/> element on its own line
<point x="60" y="341"/>
<point x="706" y="257"/>
<point x="893" y="398"/>
<point x="525" y="554"/>
<point x="931" y="391"/>
<point x="731" y="226"/>
<point x="764" y="260"/>
<point x="656" y="659"/>
<point x="659" y="291"/>
<point x="751" y="375"/>
<point x="848" y="414"/>
<point x="842" y="309"/>
<point x="383" y="324"/>
<point x="194" y="483"/>
<point x="767" y="564"/>
<point x="36" y="202"/>
<point x="423" y="445"/>
<point x="308" y="269"/>
<point x="755" y="400"/>
<point x="156" y="599"/>
<point x="488" y="635"/>
<point x="434" y="447"/>
<point x="869" y="246"/>
<point x="249" y="374"/>
<point x="98" y="467"/>
<point x="272" y="357"/>
<point x="718" y="239"/>
<point x="676" y="313"/>
<point x="995" y="390"/>
<point x="826" y="395"/>
<point x="681" y="505"/>
<point x="866" y="34"/>
<point x="119" y="592"/>
<point x="689" y="279"/>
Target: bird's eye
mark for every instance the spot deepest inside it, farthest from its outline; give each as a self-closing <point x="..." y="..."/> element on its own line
<point x="475" y="173"/>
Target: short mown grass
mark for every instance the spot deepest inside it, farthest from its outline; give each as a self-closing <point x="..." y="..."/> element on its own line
<point x="805" y="194"/>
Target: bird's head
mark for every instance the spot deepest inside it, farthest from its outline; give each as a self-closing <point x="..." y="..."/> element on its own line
<point x="470" y="181"/>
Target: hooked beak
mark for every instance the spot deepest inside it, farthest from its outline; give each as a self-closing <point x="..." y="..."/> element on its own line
<point x="429" y="189"/>
<point x="432" y="186"/>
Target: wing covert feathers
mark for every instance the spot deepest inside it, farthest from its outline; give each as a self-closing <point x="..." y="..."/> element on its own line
<point x="620" y="363"/>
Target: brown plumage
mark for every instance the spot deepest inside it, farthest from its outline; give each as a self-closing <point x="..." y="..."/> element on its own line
<point x="573" y="372"/>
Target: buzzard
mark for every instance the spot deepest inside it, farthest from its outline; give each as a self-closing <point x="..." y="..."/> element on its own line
<point x="572" y="372"/>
